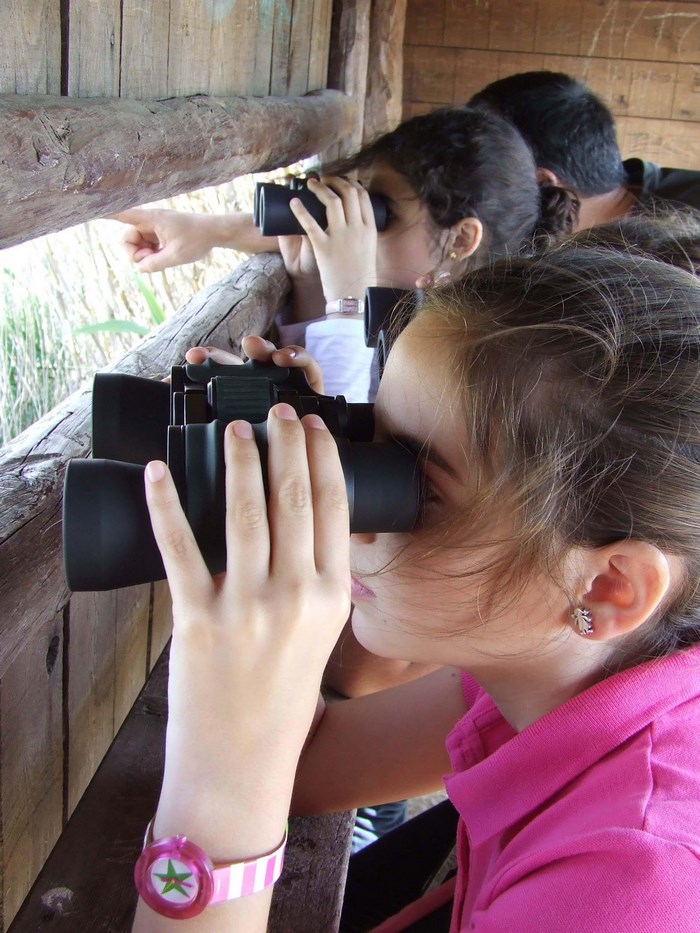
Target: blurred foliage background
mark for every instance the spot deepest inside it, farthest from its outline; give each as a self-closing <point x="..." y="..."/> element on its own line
<point x="71" y="302"/>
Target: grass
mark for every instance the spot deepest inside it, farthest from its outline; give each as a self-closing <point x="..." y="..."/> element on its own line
<point x="72" y="302"/>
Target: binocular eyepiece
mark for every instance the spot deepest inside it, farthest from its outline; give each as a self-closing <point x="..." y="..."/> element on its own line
<point x="273" y="215"/>
<point x="107" y="537"/>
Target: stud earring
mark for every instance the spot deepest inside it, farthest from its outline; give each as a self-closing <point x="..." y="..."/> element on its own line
<point x="582" y="621"/>
<point x="453" y="256"/>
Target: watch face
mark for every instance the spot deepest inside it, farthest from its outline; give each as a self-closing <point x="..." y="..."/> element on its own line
<point x="175" y="877"/>
<point x="349" y="306"/>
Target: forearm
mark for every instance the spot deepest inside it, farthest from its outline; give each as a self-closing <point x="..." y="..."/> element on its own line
<point x="237" y="231"/>
<point x="307" y="302"/>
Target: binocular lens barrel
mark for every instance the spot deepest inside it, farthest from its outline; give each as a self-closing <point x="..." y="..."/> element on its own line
<point x="130" y="418"/>
<point x="275" y="217"/>
<point x="107" y="536"/>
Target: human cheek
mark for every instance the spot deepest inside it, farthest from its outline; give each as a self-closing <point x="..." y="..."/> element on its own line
<point x="400" y="259"/>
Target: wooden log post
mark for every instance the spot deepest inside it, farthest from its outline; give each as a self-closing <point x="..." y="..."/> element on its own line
<point x="384" y="92"/>
<point x="67" y="160"/>
<point x="347" y="67"/>
<point x="69" y="672"/>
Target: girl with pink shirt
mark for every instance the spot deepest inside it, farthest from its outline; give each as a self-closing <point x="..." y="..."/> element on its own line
<point x="553" y="404"/>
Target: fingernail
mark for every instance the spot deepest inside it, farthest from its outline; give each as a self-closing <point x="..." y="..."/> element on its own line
<point x="285" y="412"/>
<point x="243" y="429"/>
<point x="290" y="352"/>
<point x="155" y="471"/>
<point x="315" y="421"/>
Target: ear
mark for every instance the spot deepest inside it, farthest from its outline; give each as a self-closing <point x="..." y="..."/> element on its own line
<point x="625" y="582"/>
<point x="465" y="237"/>
<point x="546" y="176"/>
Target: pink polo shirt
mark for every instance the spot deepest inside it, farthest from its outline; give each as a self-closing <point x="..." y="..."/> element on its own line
<point x="588" y="821"/>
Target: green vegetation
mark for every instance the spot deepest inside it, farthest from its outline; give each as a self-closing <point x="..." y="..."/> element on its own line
<point x="71" y="302"/>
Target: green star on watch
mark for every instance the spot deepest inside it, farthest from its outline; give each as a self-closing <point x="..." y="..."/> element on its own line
<point x="174" y="881"/>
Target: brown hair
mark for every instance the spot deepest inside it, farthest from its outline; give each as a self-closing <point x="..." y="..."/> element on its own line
<point x="581" y="371"/>
<point x="666" y="233"/>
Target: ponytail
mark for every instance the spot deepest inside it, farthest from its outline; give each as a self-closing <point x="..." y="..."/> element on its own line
<point x="559" y="210"/>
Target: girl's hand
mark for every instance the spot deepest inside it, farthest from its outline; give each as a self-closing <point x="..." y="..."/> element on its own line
<point x="249" y="647"/>
<point x="264" y="351"/>
<point x="346" y="252"/>
<point x="159" y="239"/>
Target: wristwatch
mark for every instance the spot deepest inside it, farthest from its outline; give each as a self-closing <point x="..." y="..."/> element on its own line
<point x="347" y="305"/>
<point x="177" y="879"/>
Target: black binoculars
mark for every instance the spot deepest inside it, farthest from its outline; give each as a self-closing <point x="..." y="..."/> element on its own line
<point x="387" y="311"/>
<point x="273" y="215"/>
<point x="107" y="537"/>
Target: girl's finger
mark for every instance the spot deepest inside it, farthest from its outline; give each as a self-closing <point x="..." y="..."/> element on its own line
<point x="335" y="208"/>
<point x="296" y="357"/>
<point x="202" y="354"/>
<point x="348" y="193"/>
<point x="257" y="348"/>
<point x="366" y="209"/>
<point x="188" y="576"/>
<point x="247" y="530"/>
<point x="313" y="231"/>
<point x="290" y="503"/>
<point x="330" y="501"/>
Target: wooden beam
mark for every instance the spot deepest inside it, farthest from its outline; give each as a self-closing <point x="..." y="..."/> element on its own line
<point x="383" y="102"/>
<point x="32" y="586"/>
<point x="67" y="160"/>
<point x="347" y="67"/>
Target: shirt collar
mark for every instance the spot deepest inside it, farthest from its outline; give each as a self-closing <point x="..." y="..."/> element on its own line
<point x="529" y="767"/>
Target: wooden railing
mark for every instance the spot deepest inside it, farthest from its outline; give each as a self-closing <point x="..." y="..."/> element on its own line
<point x="72" y="666"/>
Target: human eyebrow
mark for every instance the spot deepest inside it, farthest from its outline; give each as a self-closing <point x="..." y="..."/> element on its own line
<point x="421" y="450"/>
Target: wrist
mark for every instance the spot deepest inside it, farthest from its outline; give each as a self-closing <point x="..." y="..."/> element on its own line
<point x="233" y="826"/>
<point x="179" y="879"/>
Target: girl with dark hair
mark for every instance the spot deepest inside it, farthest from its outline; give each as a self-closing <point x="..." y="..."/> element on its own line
<point x="553" y="404"/>
<point x="461" y="188"/>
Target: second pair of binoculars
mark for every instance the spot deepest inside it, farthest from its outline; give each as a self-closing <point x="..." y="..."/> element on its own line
<point x="273" y="215"/>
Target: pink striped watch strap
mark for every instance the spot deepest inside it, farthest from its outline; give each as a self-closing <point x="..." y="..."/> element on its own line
<point x="242" y="878"/>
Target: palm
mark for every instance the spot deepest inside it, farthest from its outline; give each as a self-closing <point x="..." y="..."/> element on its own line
<point x="298" y="256"/>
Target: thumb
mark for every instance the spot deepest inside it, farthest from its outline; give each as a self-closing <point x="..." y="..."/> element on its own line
<point x="155" y="262"/>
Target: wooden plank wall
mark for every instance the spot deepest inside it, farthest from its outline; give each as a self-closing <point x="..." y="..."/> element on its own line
<point x="62" y="701"/>
<point x="642" y="58"/>
<point x="164" y="48"/>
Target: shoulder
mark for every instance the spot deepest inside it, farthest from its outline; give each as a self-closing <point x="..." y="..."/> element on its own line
<point x="610" y="882"/>
<point x="652" y="182"/>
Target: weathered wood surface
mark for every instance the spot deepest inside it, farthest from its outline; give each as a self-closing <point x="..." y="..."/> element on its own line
<point x="640" y="56"/>
<point x="347" y="67"/>
<point x="30" y="47"/>
<point x="65" y="160"/>
<point x="383" y="102"/>
<point x="163" y="48"/>
<point x="87" y="883"/>
<point x="309" y="895"/>
<point x="32" y="466"/>
<point x="31" y="746"/>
